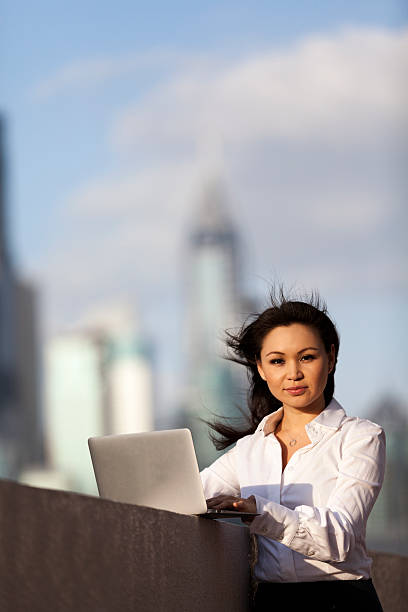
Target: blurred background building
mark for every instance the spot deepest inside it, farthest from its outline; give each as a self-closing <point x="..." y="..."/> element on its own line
<point x="75" y="404"/>
<point x="214" y="304"/>
<point x="98" y="381"/>
<point x="20" y="416"/>
<point x="387" y="528"/>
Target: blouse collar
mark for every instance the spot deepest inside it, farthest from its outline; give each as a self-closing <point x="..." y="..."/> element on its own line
<point x="331" y="417"/>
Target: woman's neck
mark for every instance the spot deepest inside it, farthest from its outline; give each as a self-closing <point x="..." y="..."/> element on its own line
<point x="295" y="419"/>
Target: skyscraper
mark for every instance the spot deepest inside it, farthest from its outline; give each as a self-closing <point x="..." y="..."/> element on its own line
<point x="75" y="404"/>
<point x="20" y="422"/>
<point x="98" y="381"/>
<point x="128" y="367"/>
<point x="213" y="300"/>
<point x="387" y="527"/>
<point x="130" y="383"/>
<point x="31" y="447"/>
<point x="9" y="408"/>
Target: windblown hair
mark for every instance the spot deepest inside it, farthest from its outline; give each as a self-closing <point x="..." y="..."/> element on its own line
<point x="244" y="347"/>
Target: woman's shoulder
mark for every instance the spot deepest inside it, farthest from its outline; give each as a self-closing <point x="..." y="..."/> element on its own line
<point x="247" y="440"/>
<point x="361" y="431"/>
<point x="250" y="440"/>
<point x="360" y="425"/>
<point x="335" y="416"/>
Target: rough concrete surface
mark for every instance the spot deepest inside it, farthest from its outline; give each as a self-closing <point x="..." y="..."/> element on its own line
<point x="63" y="552"/>
<point x="390" y="577"/>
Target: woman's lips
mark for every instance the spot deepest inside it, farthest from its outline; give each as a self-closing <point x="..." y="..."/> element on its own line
<point x="296" y="390"/>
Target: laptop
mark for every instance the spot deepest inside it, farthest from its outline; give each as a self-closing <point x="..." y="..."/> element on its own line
<point x="157" y="469"/>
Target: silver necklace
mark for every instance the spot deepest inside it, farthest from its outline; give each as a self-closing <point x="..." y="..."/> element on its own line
<point x="292" y="441"/>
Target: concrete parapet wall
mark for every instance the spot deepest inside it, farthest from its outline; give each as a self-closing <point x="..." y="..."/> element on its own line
<point x="63" y="552"/>
<point x="390" y="577"/>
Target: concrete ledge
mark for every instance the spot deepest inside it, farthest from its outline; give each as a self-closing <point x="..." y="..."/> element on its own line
<point x="390" y="577"/>
<point x="62" y="552"/>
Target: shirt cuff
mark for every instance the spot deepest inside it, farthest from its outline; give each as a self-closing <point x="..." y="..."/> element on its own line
<point x="275" y="521"/>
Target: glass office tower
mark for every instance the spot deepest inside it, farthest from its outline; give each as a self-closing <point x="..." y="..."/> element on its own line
<point x="214" y="305"/>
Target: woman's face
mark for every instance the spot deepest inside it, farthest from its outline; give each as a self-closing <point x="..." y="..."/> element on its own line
<point x="295" y="365"/>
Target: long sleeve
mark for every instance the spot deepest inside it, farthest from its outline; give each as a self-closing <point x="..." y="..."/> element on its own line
<point x="221" y="477"/>
<point x="328" y="533"/>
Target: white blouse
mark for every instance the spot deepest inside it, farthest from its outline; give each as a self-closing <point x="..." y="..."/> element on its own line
<point x="313" y="515"/>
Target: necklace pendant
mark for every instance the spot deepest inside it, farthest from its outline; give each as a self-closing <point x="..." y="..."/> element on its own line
<point x="292" y="442"/>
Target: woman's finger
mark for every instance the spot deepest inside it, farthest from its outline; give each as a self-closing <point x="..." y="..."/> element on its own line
<point x="246" y="504"/>
<point x="228" y="501"/>
<point x="221" y="501"/>
<point x="225" y="503"/>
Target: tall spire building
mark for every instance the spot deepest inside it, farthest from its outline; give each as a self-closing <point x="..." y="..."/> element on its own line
<point x="213" y="306"/>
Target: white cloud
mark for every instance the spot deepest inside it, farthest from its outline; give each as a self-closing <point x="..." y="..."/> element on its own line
<point x="308" y="134"/>
<point x="157" y="189"/>
<point x="119" y="236"/>
<point x="91" y="73"/>
<point x="335" y="90"/>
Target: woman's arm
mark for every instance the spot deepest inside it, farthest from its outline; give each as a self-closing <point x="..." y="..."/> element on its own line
<point x="329" y="533"/>
<point x="221" y="477"/>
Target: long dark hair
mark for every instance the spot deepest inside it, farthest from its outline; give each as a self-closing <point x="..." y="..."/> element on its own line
<point x="244" y="347"/>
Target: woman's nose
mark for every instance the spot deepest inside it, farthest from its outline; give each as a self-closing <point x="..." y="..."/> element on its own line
<point x="294" y="371"/>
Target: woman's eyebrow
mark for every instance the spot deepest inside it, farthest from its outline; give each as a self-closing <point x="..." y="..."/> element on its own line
<point x="308" y="348"/>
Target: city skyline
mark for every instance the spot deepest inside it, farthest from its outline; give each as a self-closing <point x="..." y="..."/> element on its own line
<point x="117" y="122"/>
<point x="212" y="229"/>
<point x="111" y="139"/>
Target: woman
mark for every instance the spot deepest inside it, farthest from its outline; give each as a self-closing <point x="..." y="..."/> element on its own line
<point x="310" y="471"/>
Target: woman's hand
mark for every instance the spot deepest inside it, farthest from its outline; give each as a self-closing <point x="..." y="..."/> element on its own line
<point x="229" y="502"/>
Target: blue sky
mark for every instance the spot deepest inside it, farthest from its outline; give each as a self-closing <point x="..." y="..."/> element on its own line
<point x="115" y="112"/>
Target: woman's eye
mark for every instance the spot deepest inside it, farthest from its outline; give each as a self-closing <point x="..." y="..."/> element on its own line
<point x="276" y="361"/>
<point x="308" y="357"/>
